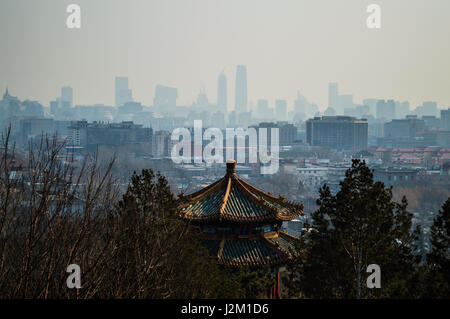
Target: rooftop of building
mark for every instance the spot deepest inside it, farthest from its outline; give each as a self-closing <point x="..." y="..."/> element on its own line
<point x="234" y="200"/>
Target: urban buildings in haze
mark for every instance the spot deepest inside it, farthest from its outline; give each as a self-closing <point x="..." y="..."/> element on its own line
<point x="281" y="110"/>
<point x="263" y="111"/>
<point x="337" y="132"/>
<point x="222" y="93"/>
<point x="338" y="103"/>
<point x="427" y="108"/>
<point x="122" y="93"/>
<point x="333" y="95"/>
<point x="165" y="96"/>
<point x="445" y="119"/>
<point x="386" y="110"/>
<point x="66" y="97"/>
<point x="241" y="89"/>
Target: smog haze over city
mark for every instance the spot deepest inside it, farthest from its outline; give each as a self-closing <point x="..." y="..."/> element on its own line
<point x="287" y="45"/>
<point x="224" y="149"/>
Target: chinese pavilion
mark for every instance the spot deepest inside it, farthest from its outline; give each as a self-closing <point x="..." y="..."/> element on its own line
<point x="241" y="225"/>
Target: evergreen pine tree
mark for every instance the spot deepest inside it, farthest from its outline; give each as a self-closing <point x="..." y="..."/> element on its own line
<point x="359" y="226"/>
<point x="438" y="260"/>
<point x="156" y="256"/>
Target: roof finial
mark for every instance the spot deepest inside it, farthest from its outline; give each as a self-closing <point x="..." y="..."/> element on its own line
<point x="231" y="167"/>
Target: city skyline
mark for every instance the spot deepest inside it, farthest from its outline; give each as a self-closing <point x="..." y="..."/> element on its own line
<point x="338" y="104"/>
<point x="303" y="48"/>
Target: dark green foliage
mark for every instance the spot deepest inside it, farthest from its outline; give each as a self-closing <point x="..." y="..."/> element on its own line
<point x="358" y="226"/>
<point x="254" y="282"/>
<point x="437" y="269"/>
<point x="161" y="258"/>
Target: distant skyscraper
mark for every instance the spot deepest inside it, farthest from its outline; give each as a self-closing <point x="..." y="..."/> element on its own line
<point x="222" y="92"/>
<point x="281" y="110"/>
<point x="401" y="109"/>
<point x="67" y="96"/>
<point x="333" y="95"/>
<point x="445" y="119"/>
<point x="385" y="110"/>
<point x="427" y="108"/>
<point x="263" y="111"/>
<point x="165" y="96"/>
<point x="123" y="94"/>
<point x="241" y="89"/>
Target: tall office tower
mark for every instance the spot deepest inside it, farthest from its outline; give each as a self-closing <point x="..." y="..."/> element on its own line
<point x="333" y="95"/>
<point x="445" y="119"/>
<point x="299" y="104"/>
<point x="123" y="94"/>
<point x="67" y="97"/>
<point x="385" y="110"/>
<point x="281" y="110"/>
<point x="263" y="111"/>
<point x="337" y="132"/>
<point x="401" y="109"/>
<point x="222" y="93"/>
<point x="241" y="89"/>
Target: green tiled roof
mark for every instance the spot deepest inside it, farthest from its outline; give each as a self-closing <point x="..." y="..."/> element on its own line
<point x="207" y="206"/>
<point x="251" y="252"/>
<point x="233" y="199"/>
<point x="284" y="242"/>
<point x="240" y="206"/>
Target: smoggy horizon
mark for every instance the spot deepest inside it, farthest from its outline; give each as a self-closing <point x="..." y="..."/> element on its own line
<point x="287" y="46"/>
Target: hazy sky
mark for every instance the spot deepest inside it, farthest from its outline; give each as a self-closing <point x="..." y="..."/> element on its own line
<point x="287" y="45"/>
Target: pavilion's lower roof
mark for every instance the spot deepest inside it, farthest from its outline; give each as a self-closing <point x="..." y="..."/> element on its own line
<point x="232" y="199"/>
<point x="252" y="252"/>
